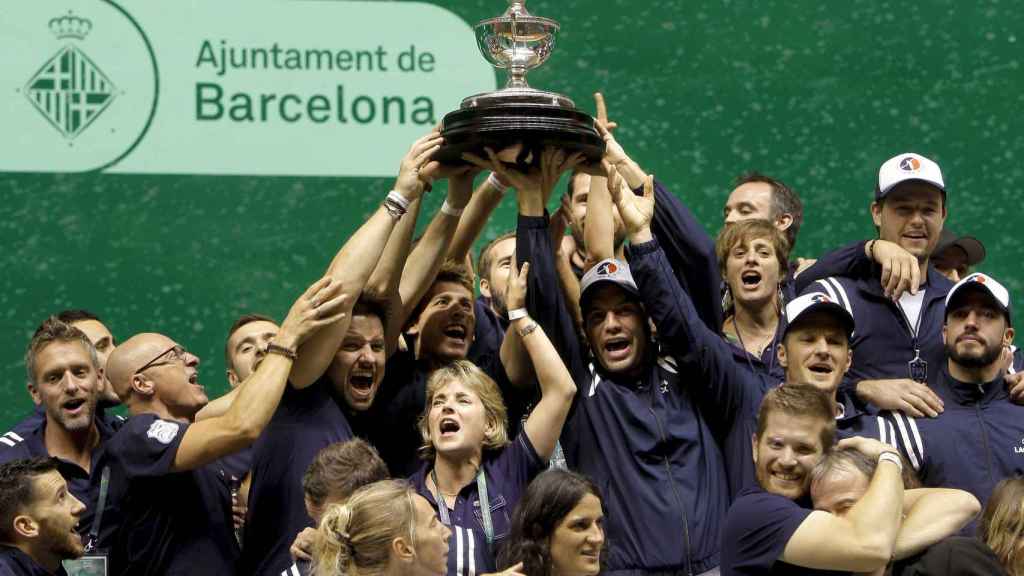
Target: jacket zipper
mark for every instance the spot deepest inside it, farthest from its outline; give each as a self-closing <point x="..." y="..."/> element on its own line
<point x="675" y="489"/>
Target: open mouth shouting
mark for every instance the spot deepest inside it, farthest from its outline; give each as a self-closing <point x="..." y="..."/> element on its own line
<point x="617" y="348"/>
<point x="74" y="407"/>
<point x="750" y="279"/>
<point x="448" y="427"/>
<point x="456" y="332"/>
<point x="361" y="384"/>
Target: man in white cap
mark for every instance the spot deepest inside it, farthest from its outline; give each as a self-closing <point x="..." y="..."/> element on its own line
<point x="979" y="439"/>
<point x="897" y="299"/>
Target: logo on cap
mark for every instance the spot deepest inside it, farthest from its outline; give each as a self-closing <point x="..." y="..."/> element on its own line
<point x="607" y="268"/>
<point x="979" y="279"/>
<point x="818" y="298"/>
<point x="910" y="164"/>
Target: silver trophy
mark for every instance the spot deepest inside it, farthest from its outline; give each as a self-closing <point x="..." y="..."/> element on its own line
<point x="518" y="41"/>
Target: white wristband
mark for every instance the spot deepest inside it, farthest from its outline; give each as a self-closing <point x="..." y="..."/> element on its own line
<point x="891" y="457"/>
<point x="496" y="184"/>
<point x="446" y="208"/>
<point x="517" y="314"/>
<point x="399" y="199"/>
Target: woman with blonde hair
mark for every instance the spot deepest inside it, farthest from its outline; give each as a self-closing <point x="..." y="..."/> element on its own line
<point x="474" y="475"/>
<point x="1002" y="524"/>
<point x="384" y="529"/>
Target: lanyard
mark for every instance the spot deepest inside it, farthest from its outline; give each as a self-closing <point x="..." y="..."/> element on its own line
<point x="917" y="368"/>
<point x="94" y="531"/>
<point x="485" y="503"/>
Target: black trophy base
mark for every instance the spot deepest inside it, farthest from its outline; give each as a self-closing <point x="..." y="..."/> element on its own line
<point x="499" y="123"/>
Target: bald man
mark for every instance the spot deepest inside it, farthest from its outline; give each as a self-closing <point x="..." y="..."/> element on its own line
<point x="172" y="506"/>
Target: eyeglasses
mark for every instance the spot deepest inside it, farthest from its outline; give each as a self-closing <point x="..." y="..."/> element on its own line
<point x="173" y="354"/>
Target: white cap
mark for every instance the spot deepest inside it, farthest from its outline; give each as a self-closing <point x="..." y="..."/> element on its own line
<point x="608" y="270"/>
<point x="811" y="301"/>
<point x="904" y="167"/>
<point x="987" y="285"/>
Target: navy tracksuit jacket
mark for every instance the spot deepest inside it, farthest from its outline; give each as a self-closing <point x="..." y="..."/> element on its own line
<point x="883" y="343"/>
<point x="644" y="443"/>
<point x="976" y="442"/>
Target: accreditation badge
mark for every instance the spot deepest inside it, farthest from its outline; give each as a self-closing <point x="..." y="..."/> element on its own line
<point x="90" y="565"/>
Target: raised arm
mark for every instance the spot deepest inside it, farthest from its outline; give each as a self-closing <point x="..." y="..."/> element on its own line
<point x="687" y="245"/>
<point x="323" y="304"/>
<point x="720" y="387"/>
<point x="544" y="425"/>
<point x="482" y="204"/>
<point x="865" y="538"/>
<point x="356" y="260"/>
<point x="544" y="300"/>
<point x="900" y="270"/>
<point x="932" y="515"/>
<point x="429" y="254"/>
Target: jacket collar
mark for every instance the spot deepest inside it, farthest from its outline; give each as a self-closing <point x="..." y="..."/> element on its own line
<point x="969" y="393"/>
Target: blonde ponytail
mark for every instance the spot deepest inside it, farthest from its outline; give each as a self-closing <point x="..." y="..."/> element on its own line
<point x="354" y="539"/>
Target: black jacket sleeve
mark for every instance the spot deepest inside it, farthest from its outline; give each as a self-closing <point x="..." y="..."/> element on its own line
<point x="849" y="261"/>
<point x="723" y="389"/>
<point x="691" y="253"/>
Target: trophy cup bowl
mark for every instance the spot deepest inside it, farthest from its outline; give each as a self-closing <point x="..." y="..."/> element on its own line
<point x="519" y="115"/>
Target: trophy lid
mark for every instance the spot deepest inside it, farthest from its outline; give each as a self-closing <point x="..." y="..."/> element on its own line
<point x="517" y="12"/>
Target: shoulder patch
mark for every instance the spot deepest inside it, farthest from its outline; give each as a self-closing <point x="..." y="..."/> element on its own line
<point x="163" y="431"/>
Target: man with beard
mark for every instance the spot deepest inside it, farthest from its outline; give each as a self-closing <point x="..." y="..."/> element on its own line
<point x="38" y="519"/>
<point x="64" y="378"/>
<point x="104" y="343"/>
<point x="979" y="439"/>
<point x="771" y="529"/>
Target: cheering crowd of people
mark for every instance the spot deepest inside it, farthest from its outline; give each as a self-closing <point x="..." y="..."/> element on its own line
<point x="633" y="397"/>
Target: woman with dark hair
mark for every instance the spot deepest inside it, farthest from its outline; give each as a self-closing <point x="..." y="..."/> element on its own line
<point x="557" y="528"/>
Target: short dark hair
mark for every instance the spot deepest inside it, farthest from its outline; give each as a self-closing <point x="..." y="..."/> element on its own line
<point x="16" y="491"/>
<point x="242" y="321"/>
<point x="799" y="400"/>
<point x="784" y="201"/>
<point x="76" y="315"/>
<point x="547" y="500"/>
<point x="341" y="468"/>
<point x="451" y="271"/>
<point x="54" y="330"/>
<point x="484" y="260"/>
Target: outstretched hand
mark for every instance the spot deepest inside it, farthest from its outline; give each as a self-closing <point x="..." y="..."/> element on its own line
<point x="411" y="180"/>
<point x="636" y="211"/>
<point x="515" y="291"/>
<point x="321" y="304"/>
<point x="602" y="113"/>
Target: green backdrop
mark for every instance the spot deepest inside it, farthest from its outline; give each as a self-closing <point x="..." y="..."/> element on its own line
<point x="815" y="93"/>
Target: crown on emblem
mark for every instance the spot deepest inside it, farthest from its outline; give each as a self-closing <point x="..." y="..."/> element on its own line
<point x="70" y="26"/>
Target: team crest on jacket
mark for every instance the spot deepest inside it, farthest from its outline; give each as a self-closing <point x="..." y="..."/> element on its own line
<point x="163" y="431"/>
